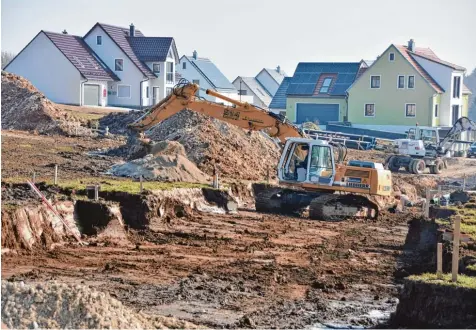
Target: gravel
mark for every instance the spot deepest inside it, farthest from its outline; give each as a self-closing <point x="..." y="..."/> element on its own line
<point x="56" y="305"/>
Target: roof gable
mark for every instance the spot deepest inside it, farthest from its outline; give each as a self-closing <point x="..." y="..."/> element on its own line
<point x="211" y="73"/>
<point x="81" y="56"/>
<point x="279" y="99"/>
<point x="307" y="76"/>
<point x="275" y="75"/>
<point x="435" y="59"/>
<point x="257" y="89"/>
<point x="153" y="48"/>
<point x="119" y="36"/>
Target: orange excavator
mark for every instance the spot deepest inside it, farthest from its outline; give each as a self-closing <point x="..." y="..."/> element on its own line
<point x="312" y="173"/>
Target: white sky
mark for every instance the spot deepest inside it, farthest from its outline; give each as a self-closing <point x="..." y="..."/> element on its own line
<point x="242" y="37"/>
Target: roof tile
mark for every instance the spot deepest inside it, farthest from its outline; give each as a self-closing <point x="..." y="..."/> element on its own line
<point x="279" y="99"/>
<point x="151" y="48"/>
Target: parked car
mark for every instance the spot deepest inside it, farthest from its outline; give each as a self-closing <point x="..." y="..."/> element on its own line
<point x="472" y="150"/>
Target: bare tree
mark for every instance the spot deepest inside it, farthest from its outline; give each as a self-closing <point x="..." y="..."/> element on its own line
<point x="6" y="58"/>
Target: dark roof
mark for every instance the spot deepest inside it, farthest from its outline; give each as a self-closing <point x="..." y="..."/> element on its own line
<point x="211" y="73"/>
<point x="407" y="55"/>
<point x="119" y="36"/>
<point x="279" y="99"/>
<point x="307" y="75"/>
<point x="151" y="48"/>
<point x="81" y="56"/>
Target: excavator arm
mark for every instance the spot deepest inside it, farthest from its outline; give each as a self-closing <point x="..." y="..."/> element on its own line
<point x="464" y="124"/>
<point x="240" y="114"/>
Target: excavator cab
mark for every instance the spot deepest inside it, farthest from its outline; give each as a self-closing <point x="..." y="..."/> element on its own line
<point x="305" y="160"/>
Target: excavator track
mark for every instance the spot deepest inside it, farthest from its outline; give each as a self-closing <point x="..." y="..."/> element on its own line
<point x="283" y="201"/>
<point x="333" y="207"/>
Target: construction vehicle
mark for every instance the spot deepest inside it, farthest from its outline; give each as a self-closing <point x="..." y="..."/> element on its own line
<point x="311" y="173"/>
<point x="423" y="148"/>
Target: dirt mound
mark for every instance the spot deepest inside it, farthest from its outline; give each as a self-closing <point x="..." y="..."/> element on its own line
<point x="117" y="122"/>
<point x="170" y="168"/>
<point x="208" y="141"/>
<point x="56" y="305"/>
<point x="26" y="108"/>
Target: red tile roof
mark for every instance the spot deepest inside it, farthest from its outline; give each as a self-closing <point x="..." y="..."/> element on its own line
<point x="428" y="54"/>
<point x="408" y="56"/>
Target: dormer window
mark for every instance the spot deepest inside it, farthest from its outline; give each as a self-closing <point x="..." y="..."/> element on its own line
<point x="325" y="85"/>
<point x="156" y="68"/>
<point x="119" y="64"/>
<point x="391" y="57"/>
<point x="99" y="40"/>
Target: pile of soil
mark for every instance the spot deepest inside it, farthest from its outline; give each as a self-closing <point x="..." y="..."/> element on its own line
<point x="25" y="108"/>
<point x="209" y="142"/>
<point x="166" y="161"/>
<point x="56" y="305"/>
<point x="118" y="121"/>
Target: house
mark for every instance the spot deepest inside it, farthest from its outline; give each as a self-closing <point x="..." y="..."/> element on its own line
<point x="278" y="103"/>
<point x="262" y="87"/>
<point x="408" y="86"/>
<point x="202" y="71"/>
<point x="317" y="91"/>
<point x="110" y="65"/>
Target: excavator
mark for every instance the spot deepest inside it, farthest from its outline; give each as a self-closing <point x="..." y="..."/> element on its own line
<point x="312" y="173"/>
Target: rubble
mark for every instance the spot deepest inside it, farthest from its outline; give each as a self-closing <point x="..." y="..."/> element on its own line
<point x="118" y="121"/>
<point x="25" y="108"/>
<point x="56" y="305"/>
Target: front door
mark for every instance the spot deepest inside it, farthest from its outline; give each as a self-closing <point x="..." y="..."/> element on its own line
<point x="155" y="95"/>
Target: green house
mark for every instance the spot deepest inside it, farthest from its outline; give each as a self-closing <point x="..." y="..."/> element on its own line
<point x="408" y="86"/>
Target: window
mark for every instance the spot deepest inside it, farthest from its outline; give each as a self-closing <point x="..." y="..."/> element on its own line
<point x="456" y="87"/>
<point x="243" y="92"/>
<point x="391" y="57"/>
<point x="401" y="82"/>
<point x="411" y="82"/>
<point x="119" y="64"/>
<point x="410" y="110"/>
<point x="124" y="91"/>
<point x="436" y="110"/>
<point x="184" y="65"/>
<point x="156" y="68"/>
<point x="98" y="40"/>
<point x="374" y="81"/>
<point x="147" y="91"/>
<point x="170" y="72"/>
<point x="325" y="85"/>
<point x="455" y="113"/>
<point x="168" y="91"/>
<point x="370" y="110"/>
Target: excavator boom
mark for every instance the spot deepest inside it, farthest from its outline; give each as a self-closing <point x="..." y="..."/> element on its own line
<point x="239" y="114"/>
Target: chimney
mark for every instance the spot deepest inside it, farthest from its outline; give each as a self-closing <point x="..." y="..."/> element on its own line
<point x="278" y="69"/>
<point x="411" y="45"/>
<point x="64" y="31"/>
<point x="195" y="55"/>
<point x="132" y="30"/>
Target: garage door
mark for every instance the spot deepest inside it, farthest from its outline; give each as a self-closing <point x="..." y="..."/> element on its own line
<point x="91" y="94"/>
<point x="323" y="113"/>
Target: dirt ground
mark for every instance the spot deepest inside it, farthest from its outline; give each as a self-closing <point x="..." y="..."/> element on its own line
<point x="236" y="270"/>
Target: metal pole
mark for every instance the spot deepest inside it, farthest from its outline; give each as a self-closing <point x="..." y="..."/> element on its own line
<point x="96" y="192"/>
<point x="427" y="203"/>
<point x="56" y="175"/>
<point x="464" y="182"/>
<point x="141" y="186"/>
<point x="439" y="260"/>
<point x="34" y="177"/>
<point x="455" y="261"/>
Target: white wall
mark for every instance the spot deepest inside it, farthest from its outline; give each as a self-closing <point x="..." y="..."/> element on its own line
<point x="131" y="75"/>
<point x="455" y="101"/>
<point x="269" y="83"/>
<point x="48" y="70"/>
<point x="191" y="74"/>
<point x="249" y="92"/>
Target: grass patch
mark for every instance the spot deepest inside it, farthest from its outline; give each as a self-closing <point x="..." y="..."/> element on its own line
<point x="472" y="267"/>
<point x="25" y="146"/>
<point x="463" y="280"/>
<point x="469" y="229"/>
<point x="85" y="116"/>
<point x="64" y="148"/>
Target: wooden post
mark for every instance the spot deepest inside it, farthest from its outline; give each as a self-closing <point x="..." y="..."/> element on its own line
<point x="34" y="177"/>
<point x="56" y="175"/>
<point x="107" y="131"/>
<point x="464" y="182"/>
<point x="96" y="192"/>
<point x="141" y="186"/>
<point x="455" y="261"/>
<point x="439" y="260"/>
<point x="427" y="203"/>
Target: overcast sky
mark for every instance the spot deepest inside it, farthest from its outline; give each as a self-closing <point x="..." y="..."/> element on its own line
<point x="241" y="37"/>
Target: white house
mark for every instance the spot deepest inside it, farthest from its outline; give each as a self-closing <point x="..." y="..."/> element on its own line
<point x="203" y="72"/>
<point x="262" y="87"/>
<point x="110" y="65"/>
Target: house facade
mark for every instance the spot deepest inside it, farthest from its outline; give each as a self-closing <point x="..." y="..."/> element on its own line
<point x="317" y="91"/>
<point x="203" y="72"/>
<point x="109" y="66"/>
<point x="262" y="87"/>
<point x="408" y="86"/>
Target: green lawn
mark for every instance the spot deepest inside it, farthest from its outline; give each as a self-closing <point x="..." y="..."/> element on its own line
<point x="463" y="280"/>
